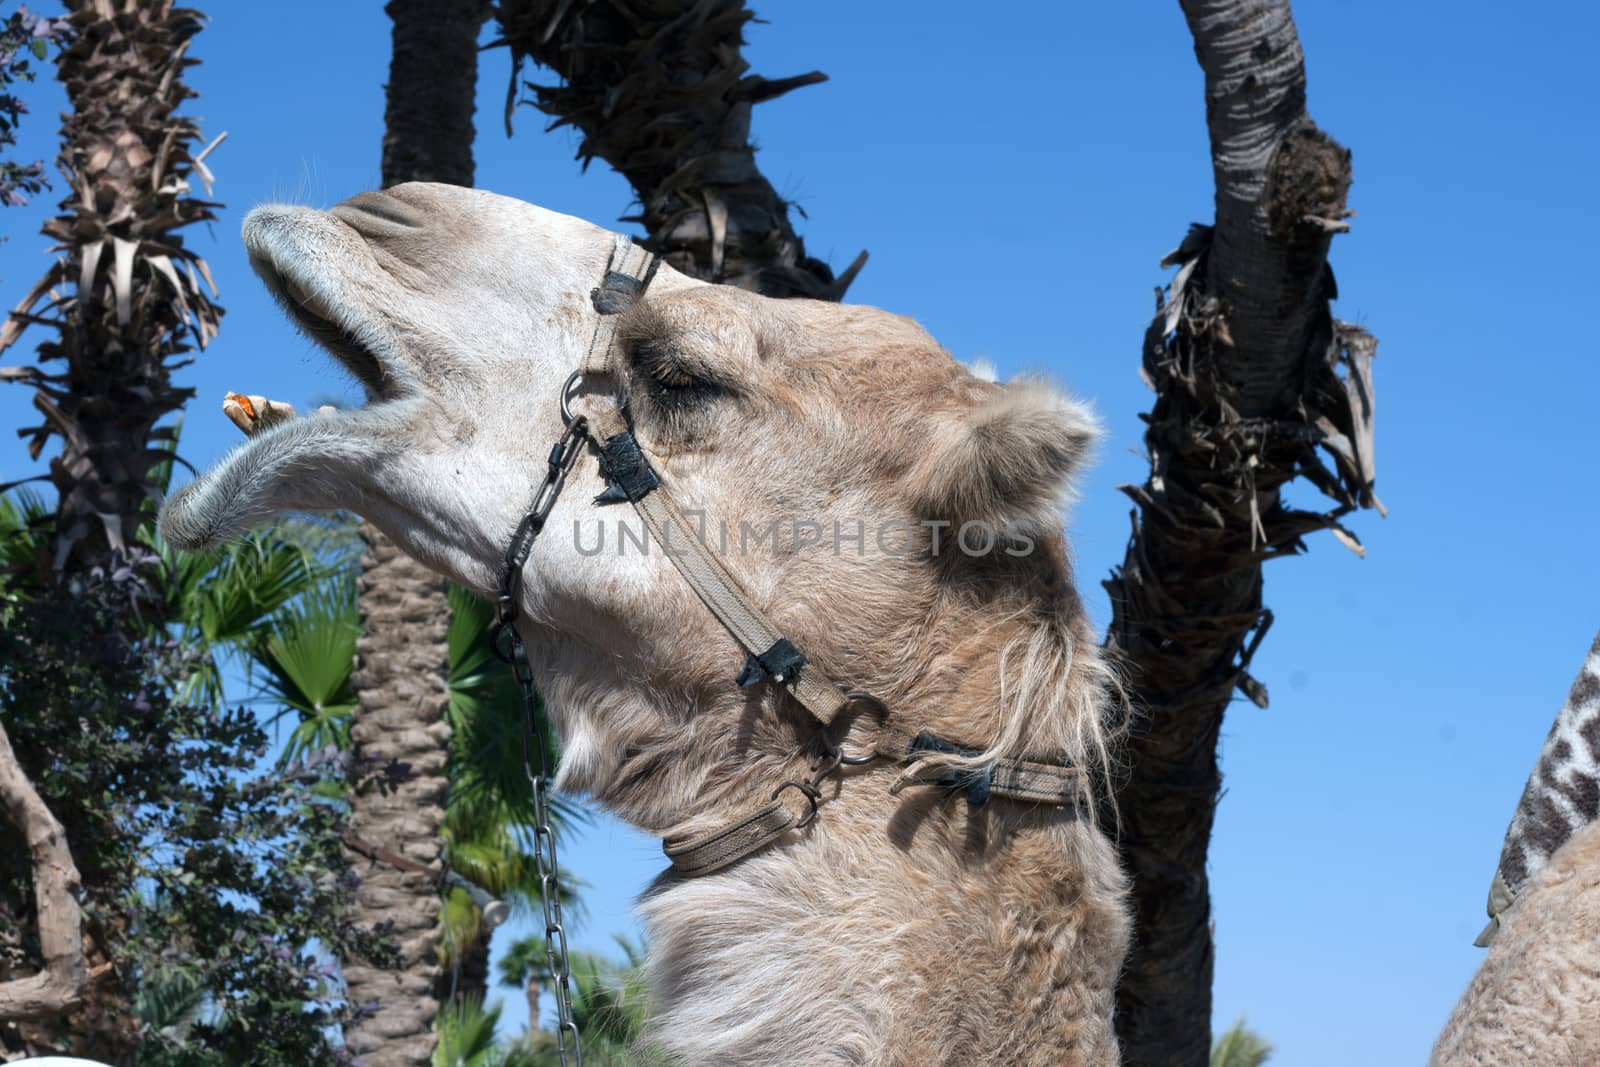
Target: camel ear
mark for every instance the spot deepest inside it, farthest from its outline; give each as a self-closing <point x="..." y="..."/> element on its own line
<point x="1006" y="460"/>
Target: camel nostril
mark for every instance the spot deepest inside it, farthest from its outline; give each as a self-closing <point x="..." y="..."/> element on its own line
<point x="378" y="214"/>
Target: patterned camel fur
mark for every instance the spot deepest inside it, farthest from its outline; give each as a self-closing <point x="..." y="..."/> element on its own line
<point x="900" y="928"/>
<point x="1535" y="1001"/>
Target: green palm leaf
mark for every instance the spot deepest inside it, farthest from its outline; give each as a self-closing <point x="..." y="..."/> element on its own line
<point x="306" y="660"/>
<point x="466" y="1034"/>
<point x="488" y="722"/>
<point x="1240" y="1046"/>
<point x="227" y="598"/>
<point x="23" y="555"/>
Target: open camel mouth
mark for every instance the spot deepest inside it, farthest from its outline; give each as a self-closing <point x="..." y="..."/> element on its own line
<point x="318" y="321"/>
<point x="254" y="412"/>
<point x="290" y="249"/>
<point x="316" y="264"/>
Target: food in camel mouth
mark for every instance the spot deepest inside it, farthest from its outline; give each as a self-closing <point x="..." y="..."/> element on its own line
<point x="253" y="413"/>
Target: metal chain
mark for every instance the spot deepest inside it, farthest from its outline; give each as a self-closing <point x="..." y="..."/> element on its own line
<point x="506" y="643"/>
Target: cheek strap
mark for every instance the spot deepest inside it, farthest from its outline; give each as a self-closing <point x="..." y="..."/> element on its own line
<point x="769" y="656"/>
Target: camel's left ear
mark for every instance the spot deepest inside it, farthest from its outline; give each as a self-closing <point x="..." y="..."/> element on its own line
<point x="1006" y="460"/>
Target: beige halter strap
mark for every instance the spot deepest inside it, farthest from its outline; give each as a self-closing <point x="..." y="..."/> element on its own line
<point x="771" y="657"/>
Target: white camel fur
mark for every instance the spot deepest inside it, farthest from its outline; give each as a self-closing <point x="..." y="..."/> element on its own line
<point x="898" y="929"/>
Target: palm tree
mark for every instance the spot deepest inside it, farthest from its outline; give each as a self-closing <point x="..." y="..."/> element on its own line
<point x="125" y="297"/>
<point x="1252" y="376"/>
<point x="126" y="303"/>
<point x="401" y="691"/>
<point x="1240" y="1046"/>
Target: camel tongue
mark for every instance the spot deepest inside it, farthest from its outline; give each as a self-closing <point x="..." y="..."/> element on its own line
<point x="252" y="413"/>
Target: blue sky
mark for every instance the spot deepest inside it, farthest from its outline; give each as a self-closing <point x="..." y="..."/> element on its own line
<point x="1016" y="178"/>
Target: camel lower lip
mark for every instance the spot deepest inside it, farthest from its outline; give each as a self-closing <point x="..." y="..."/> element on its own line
<point x="293" y="464"/>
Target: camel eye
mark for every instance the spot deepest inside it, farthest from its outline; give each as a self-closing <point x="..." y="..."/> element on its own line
<point x="664" y="365"/>
<point x="672" y="392"/>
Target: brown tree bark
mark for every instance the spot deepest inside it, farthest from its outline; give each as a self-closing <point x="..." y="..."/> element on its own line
<point x="432" y="91"/>
<point x="1256" y="383"/>
<point x="402" y="671"/>
<point x="660" y="90"/>
<point x="402" y="693"/>
<point x="59" y="986"/>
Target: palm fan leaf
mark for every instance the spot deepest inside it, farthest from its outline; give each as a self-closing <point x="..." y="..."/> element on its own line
<point x="306" y="662"/>
<point x="488" y="722"/>
<point x="1240" y="1046"/>
<point x="228" y="598"/>
<point x="466" y="1034"/>
<point x="23" y="539"/>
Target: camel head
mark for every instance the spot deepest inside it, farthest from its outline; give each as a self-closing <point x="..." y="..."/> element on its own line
<point x="897" y="515"/>
<point x="892" y="514"/>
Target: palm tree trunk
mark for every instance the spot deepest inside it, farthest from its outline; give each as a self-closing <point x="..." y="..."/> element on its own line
<point x="127" y="304"/>
<point x="659" y="90"/>
<point x="432" y="91"/>
<point x="1252" y="376"/>
<point x="401" y="696"/>
<point x="401" y="678"/>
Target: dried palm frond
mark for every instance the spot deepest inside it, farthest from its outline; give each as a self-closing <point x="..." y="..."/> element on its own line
<point x="125" y="296"/>
<point x="660" y="90"/>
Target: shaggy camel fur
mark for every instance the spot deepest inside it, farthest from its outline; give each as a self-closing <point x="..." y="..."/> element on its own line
<point x="1535" y="1001"/>
<point x="837" y="453"/>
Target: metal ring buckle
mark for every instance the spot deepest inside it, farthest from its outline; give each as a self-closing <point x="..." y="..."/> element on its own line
<point x="837" y="751"/>
<point x="810" y="792"/>
<point x="566" y="393"/>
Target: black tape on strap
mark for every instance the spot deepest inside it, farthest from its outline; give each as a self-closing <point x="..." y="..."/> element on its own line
<point x="616" y="293"/>
<point x="974" y="783"/>
<point x="628" y="476"/>
<point x="782" y="660"/>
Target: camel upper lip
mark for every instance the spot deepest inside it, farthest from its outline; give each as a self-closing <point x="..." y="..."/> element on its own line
<point x="370" y="369"/>
<point x="314" y="304"/>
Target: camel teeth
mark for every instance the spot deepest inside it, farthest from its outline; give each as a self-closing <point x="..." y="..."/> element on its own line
<point x="254" y="412"/>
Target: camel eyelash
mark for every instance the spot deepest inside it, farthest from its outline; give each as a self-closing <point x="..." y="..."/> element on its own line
<point x="669" y="379"/>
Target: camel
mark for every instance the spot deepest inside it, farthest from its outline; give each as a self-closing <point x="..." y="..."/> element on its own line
<point x="904" y="533"/>
<point x="1535" y="1001"/>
